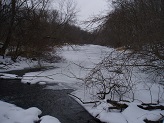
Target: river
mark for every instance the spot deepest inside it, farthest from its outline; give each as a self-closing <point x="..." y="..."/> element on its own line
<point x="56" y="103"/>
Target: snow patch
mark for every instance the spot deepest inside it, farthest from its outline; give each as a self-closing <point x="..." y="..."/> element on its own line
<point x="10" y="113"/>
<point x="8" y="76"/>
<point x="49" y="119"/>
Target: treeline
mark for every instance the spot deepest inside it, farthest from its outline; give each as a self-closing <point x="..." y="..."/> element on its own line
<point x="135" y="24"/>
<point x="29" y="28"/>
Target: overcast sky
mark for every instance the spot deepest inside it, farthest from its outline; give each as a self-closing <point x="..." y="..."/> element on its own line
<point x="90" y="7"/>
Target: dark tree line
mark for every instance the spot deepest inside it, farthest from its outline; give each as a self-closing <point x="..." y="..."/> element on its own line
<point x="29" y="28"/>
<point x="137" y="25"/>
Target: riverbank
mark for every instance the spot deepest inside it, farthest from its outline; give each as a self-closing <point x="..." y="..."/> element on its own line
<point x="83" y="61"/>
<point x="56" y="103"/>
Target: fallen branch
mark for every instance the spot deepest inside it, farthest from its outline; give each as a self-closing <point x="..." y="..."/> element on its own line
<point x="149" y="104"/>
<point x="149" y="107"/>
<point x="117" y="105"/>
<point x="149" y="121"/>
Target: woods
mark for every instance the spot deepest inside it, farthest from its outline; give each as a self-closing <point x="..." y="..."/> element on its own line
<point x="115" y="71"/>
<point x="29" y="28"/>
<point x="137" y="25"/>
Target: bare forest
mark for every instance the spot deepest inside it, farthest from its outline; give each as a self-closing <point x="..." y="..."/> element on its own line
<point x="115" y="68"/>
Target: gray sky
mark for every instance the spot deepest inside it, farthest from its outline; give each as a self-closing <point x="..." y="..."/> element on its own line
<point x="90" y="7"/>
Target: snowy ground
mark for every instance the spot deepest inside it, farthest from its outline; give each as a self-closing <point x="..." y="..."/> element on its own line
<point x="7" y="64"/>
<point x="10" y="113"/>
<point x="70" y="69"/>
<point x="79" y="60"/>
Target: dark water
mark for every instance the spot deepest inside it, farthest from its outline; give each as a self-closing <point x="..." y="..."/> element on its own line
<point x="55" y="103"/>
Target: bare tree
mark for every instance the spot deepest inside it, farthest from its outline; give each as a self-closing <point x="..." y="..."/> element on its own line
<point x="8" y="38"/>
<point x="67" y="11"/>
<point x="14" y="17"/>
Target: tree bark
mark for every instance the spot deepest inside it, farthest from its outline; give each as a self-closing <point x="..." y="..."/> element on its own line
<point x="9" y="35"/>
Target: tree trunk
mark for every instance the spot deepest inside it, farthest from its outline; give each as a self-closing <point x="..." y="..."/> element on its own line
<point x="8" y="39"/>
<point x="162" y="14"/>
<point x="0" y="5"/>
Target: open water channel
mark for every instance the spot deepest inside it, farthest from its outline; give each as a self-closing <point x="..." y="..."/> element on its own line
<point x="56" y="103"/>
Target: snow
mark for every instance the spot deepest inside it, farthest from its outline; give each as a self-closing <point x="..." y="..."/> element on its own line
<point x="136" y="115"/>
<point x="69" y="74"/>
<point x="10" y="113"/>
<point x="49" y="119"/>
<point x="7" y="64"/>
<point x="69" y="70"/>
<point x="59" y="86"/>
<point x="42" y="83"/>
<point x="8" y="76"/>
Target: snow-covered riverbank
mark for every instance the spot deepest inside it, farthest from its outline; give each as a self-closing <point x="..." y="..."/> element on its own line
<point x="10" y="113"/>
<point x="79" y="60"/>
